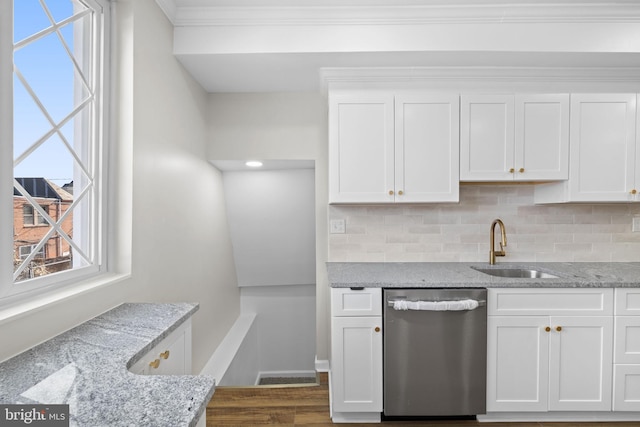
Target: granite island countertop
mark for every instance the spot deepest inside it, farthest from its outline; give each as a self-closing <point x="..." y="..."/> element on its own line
<point x="87" y="368"/>
<point x="463" y="275"/>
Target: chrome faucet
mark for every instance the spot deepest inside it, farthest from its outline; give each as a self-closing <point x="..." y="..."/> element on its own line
<point x="503" y="241"/>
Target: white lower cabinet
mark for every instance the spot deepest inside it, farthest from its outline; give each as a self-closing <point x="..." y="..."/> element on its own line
<point x="549" y="351"/>
<point x="626" y="391"/>
<point x="580" y="363"/>
<point x="626" y="375"/>
<point x="356" y="365"/>
<point x="356" y="355"/>
<point x="518" y="364"/>
<point x="171" y="356"/>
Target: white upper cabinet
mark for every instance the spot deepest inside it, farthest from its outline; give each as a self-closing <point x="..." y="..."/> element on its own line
<point x="486" y="137"/>
<point x="604" y="158"/>
<point x="386" y="148"/>
<point x="522" y="137"/>
<point x="427" y="148"/>
<point x="361" y="151"/>
<point x="542" y="137"/>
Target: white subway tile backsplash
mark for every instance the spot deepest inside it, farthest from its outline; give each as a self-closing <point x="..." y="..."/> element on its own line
<point x="573" y="247"/>
<point x="425" y="229"/>
<point x="450" y="232"/>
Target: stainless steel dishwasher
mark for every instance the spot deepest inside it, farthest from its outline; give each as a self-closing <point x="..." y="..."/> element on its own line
<point x="435" y="352"/>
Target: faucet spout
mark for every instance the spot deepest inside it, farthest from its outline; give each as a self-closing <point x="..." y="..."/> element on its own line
<point x="503" y="241"/>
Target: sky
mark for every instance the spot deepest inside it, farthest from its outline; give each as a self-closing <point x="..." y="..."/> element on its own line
<point x="50" y="73"/>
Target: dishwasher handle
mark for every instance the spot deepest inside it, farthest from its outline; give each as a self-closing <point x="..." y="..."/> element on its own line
<point x="453" y="305"/>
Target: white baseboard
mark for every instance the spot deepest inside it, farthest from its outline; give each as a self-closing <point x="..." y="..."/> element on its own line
<point x="585" y="416"/>
<point x="356" y="417"/>
<point x="322" y="365"/>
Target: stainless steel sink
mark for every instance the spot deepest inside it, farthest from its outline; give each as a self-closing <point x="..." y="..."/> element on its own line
<point x="519" y="273"/>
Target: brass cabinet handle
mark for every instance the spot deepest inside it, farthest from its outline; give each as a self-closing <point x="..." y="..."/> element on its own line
<point x="547" y="329"/>
<point x="558" y="328"/>
<point x="377" y="329"/>
<point x="512" y="170"/>
<point x="634" y="191"/>
<point x="521" y="170"/>
<point x="400" y="193"/>
<point x="155" y="364"/>
<point x="391" y="192"/>
<point x="165" y="355"/>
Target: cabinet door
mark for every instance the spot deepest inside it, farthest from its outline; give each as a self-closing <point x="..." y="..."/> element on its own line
<point x="427" y="159"/>
<point x="603" y="147"/>
<point x="581" y="363"/>
<point x="356" y="364"/>
<point x="627" y="340"/>
<point x="361" y="157"/>
<point x="541" y="137"/>
<point x="626" y="388"/>
<point x="518" y="363"/>
<point x="486" y="137"/>
<point x="173" y="357"/>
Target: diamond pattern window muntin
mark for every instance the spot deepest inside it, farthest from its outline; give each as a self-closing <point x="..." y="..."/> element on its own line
<point x="69" y="123"/>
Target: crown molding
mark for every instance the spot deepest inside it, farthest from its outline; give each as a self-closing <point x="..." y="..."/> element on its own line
<point x="169" y="8"/>
<point x="536" y="75"/>
<point x="462" y="12"/>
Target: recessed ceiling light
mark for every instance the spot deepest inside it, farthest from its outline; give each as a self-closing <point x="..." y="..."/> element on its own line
<point x="253" y="164"/>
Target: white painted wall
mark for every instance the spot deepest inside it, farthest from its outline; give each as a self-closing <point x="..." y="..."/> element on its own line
<point x="280" y="126"/>
<point x="286" y="322"/>
<point x="180" y="245"/>
<point x="272" y="222"/>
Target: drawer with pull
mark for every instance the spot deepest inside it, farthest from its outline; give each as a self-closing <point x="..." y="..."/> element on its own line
<point x="356" y="301"/>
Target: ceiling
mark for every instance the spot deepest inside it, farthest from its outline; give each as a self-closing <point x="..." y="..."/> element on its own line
<point x="270" y="164"/>
<point x="294" y="72"/>
<point x="293" y="45"/>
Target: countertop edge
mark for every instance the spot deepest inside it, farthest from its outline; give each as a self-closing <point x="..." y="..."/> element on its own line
<point x="466" y="275"/>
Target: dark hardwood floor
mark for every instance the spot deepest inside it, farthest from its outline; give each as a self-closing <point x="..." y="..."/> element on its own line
<point x="308" y="405"/>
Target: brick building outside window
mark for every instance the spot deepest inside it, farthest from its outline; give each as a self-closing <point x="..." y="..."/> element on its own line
<point x="30" y="227"/>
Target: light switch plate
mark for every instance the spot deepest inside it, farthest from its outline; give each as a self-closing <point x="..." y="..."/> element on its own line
<point x="336" y="226"/>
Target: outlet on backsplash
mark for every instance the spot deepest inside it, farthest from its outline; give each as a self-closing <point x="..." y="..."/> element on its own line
<point x="635" y="225"/>
<point x="337" y="226"/>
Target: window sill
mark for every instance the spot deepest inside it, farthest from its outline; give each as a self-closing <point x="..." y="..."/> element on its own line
<point x="14" y="310"/>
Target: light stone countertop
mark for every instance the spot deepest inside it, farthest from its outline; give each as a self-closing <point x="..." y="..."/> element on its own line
<point x="462" y="275"/>
<point x="87" y="368"/>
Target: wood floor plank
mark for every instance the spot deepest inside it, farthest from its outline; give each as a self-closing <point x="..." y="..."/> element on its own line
<point x="312" y="415"/>
<point x="270" y="396"/>
<point x="592" y="424"/>
<point x="323" y="378"/>
<point x="308" y="406"/>
<point x="281" y="416"/>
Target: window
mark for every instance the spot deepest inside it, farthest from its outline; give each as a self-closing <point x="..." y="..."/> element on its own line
<point x="59" y="51"/>
<point x="25" y="251"/>
<point x="27" y="215"/>
<point x="30" y="216"/>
